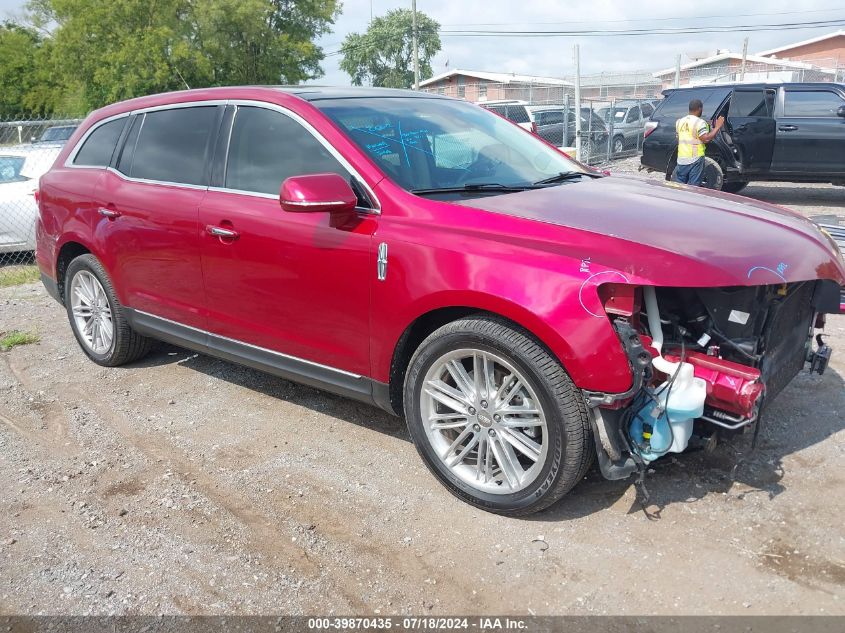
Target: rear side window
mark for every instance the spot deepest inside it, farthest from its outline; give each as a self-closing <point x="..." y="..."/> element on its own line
<point x="172" y="145"/>
<point x="98" y="148"/>
<point x="748" y="103"/>
<point x="267" y="147"/>
<point x="812" y="103"/>
<point x="647" y="110"/>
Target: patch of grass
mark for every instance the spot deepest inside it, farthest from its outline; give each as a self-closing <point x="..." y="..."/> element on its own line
<point x="17" y="337"/>
<point x="18" y="275"/>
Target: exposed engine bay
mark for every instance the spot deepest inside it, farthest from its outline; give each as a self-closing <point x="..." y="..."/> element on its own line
<point x="705" y="361"/>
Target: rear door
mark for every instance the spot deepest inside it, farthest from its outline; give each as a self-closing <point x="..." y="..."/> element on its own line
<point x="751" y="126"/>
<point x="149" y="211"/>
<point x="810" y="136"/>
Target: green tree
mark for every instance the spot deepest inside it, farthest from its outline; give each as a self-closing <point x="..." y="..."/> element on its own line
<point x="20" y="50"/>
<point x="102" y="52"/>
<point x="384" y="54"/>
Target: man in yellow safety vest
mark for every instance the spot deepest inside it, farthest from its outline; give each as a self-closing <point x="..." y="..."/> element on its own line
<point x="693" y="134"/>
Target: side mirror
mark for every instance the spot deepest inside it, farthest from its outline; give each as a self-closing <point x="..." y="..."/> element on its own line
<point x="317" y="193"/>
<point x="841" y="111"/>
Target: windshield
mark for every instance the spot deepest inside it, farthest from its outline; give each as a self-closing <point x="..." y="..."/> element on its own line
<point x="55" y="134"/>
<point x="617" y="114"/>
<point x="425" y="144"/>
<point x="10" y="168"/>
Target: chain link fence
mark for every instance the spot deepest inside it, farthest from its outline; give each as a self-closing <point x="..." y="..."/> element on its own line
<point x="612" y="116"/>
<point x="27" y="150"/>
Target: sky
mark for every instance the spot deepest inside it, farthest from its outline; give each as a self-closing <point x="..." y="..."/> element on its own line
<point x="553" y="56"/>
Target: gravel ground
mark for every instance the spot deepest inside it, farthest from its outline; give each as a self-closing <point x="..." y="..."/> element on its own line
<point x="184" y="484"/>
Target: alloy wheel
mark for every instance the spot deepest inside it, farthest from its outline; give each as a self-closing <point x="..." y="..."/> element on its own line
<point x="91" y="312"/>
<point x="484" y="421"/>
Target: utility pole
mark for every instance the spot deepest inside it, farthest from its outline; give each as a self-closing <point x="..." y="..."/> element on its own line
<point x="416" y="46"/>
<point x="577" y="104"/>
<point x="678" y="71"/>
<point x="744" y="57"/>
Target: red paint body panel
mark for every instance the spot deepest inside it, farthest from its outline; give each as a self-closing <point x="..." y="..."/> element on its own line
<point x="292" y="282"/>
<point x="305" y="283"/>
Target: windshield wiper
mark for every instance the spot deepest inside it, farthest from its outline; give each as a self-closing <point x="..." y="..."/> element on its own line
<point x="566" y="175"/>
<point x="481" y="186"/>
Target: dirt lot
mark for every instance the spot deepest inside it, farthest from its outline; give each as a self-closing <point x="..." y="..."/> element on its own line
<point x="184" y="484"/>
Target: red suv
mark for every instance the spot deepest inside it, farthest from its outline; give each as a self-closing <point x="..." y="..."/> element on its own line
<point x="419" y="253"/>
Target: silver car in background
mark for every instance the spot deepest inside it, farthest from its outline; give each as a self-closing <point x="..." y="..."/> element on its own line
<point x="20" y="168"/>
<point x="626" y="122"/>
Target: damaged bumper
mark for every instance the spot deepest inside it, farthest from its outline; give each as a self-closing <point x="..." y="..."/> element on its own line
<point x="741" y="346"/>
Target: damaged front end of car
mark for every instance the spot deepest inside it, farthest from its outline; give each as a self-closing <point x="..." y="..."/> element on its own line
<point x="704" y="362"/>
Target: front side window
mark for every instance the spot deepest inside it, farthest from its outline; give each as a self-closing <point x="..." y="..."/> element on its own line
<point x="812" y="103"/>
<point x="172" y="145"/>
<point x="98" y="148"/>
<point x="268" y="147"/>
<point x="430" y="143"/>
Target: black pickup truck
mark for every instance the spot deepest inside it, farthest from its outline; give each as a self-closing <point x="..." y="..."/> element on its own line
<point x="793" y="132"/>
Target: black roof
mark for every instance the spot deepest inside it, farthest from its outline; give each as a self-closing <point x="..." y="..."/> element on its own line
<point x="774" y="84"/>
<point x="317" y="93"/>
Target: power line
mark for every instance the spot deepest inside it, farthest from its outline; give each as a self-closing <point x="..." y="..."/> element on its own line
<point x="654" y="31"/>
<point x="666" y="19"/>
<point x="747" y="28"/>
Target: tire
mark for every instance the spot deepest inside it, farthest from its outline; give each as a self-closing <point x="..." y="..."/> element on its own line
<point x="86" y="277"/>
<point x="559" y="447"/>
<point x="712" y="177"/>
<point x="734" y="187"/>
<point x="618" y="144"/>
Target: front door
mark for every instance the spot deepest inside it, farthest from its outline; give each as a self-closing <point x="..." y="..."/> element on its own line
<point x="151" y="202"/>
<point x="751" y="126"/>
<point x="810" y="136"/>
<point x="293" y="283"/>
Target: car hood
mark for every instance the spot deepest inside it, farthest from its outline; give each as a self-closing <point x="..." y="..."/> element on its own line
<point x="669" y="234"/>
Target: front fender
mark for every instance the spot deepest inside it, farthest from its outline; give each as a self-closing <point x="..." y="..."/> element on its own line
<point x="554" y="298"/>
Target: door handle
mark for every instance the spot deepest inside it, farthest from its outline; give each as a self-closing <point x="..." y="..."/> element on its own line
<point x="788" y="128"/>
<point x="219" y="231"/>
<point x="111" y="214"/>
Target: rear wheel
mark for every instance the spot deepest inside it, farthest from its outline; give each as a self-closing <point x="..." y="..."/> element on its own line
<point x="96" y="316"/>
<point x="495" y="417"/>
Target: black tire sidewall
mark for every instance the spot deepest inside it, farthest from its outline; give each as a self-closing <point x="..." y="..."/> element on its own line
<point x="551" y="471"/>
<point x="90" y="264"/>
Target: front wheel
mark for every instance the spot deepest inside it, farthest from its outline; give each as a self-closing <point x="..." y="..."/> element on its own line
<point x="495" y="417"/>
<point x="734" y="187"/>
<point x="618" y="145"/>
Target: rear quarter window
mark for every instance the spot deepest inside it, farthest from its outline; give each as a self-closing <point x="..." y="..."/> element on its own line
<point x="98" y="148"/>
<point x="518" y="114"/>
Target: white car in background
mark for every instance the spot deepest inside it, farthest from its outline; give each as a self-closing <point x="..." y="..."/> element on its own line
<point x="20" y="168"/>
